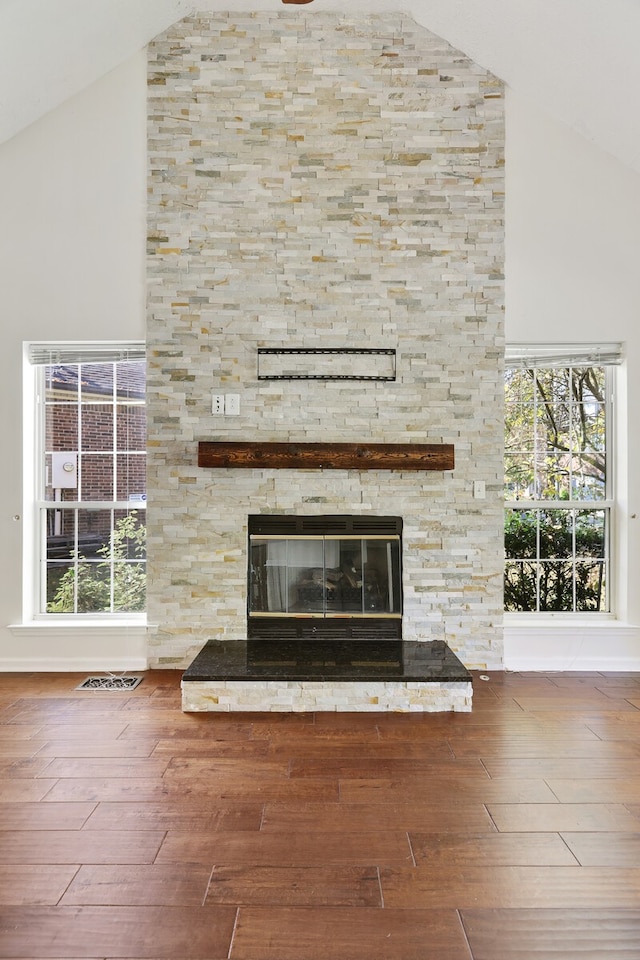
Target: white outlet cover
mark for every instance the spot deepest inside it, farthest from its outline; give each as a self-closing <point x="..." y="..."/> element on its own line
<point x="232" y="405"/>
<point x="479" y="489"/>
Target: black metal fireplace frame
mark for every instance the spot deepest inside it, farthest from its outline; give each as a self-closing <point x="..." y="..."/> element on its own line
<point x="303" y="627"/>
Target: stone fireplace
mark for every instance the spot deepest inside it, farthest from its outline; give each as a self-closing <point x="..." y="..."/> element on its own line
<point x="319" y="182"/>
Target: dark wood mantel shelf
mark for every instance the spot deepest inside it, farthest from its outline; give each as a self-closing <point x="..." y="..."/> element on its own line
<point x="328" y="456"/>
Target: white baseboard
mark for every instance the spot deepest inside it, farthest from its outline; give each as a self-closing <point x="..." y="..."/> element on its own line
<point x="73" y="647"/>
<point x="605" y="646"/>
<point x="602" y="647"/>
<point x="95" y="665"/>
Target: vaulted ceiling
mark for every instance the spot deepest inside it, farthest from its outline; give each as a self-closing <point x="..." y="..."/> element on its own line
<point x="577" y="60"/>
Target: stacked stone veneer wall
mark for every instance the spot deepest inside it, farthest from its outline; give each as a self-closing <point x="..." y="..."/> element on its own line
<point x="327" y="696"/>
<point x="323" y="181"/>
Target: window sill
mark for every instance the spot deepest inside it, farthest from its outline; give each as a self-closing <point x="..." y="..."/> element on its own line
<point x="597" y="622"/>
<point x="90" y="624"/>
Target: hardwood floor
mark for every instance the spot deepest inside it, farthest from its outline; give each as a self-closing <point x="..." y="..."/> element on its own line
<point x="131" y="830"/>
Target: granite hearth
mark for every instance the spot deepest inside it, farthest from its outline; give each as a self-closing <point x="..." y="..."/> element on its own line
<point x="298" y="676"/>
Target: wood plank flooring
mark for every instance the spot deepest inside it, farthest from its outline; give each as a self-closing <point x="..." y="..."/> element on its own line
<point x="132" y="831"/>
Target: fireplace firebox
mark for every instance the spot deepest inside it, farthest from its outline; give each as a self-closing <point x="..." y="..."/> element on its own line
<point x="325" y="577"/>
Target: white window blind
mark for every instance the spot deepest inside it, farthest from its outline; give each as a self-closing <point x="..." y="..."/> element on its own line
<point x="43" y="354"/>
<point x="563" y="354"/>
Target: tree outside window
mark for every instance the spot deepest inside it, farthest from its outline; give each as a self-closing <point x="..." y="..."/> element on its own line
<point x="556" y="488"/>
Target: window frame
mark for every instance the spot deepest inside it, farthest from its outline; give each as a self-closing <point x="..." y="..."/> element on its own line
<point x="36" y="507"/>
<point x="606" y="357"/>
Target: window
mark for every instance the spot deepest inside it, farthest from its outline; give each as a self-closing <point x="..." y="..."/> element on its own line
<point x="558" y="483"/>
<point x="90" y="478"/>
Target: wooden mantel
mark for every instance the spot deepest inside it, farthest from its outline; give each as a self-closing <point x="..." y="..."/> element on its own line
<point x="329" y="456"/>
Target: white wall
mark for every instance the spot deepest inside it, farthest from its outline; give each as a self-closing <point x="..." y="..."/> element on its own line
<point x="72" y="195"/>
<point x="572" y="255"/>
<point x="72" y="261"/>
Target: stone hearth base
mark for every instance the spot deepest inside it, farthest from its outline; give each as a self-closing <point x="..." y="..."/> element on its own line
<point x="294" y="676"/>
<point x="276" y="696"/>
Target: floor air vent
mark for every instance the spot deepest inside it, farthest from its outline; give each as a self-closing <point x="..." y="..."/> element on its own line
<point x="109" y="683"/>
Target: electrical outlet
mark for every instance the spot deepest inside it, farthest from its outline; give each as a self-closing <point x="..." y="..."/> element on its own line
<point x="232" y="404"/>
<point x="217" y="404"/>
<point x="479" y="489"/>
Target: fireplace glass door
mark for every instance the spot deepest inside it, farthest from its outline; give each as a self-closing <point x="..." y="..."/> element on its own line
<point x="326" y="576"/>
<point x="329" y="576"/>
